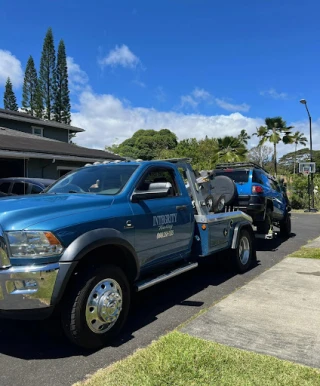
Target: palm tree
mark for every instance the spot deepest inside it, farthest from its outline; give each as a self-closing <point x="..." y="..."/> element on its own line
<point x="230" y="149"/>
<point x="274" y="131"/>
<point x="298" y="138"/>
<point x="243" y="137"/>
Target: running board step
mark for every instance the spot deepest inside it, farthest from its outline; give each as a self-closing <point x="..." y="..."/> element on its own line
<point x="149" y="283"/>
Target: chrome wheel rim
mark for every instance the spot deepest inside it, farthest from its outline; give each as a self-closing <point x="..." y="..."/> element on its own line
<point x="244" y="250"/>
<point x="104" y="306"/>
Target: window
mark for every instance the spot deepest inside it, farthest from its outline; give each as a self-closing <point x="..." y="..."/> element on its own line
<point x="37" y="131"/>
<point x="256" y="177"/>
<point x="35" y="189"/>
<point x="100" y="179"/>
<point x="4" y="187"/>
<point x="236" y="175"/>
<point x="274" y="185"/>
<point x="63" y="172"/>
<point x="160" y="175"/>
<point x="19" y="188"/>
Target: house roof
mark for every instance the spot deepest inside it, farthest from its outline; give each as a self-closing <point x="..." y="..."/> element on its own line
<point x="17" y="141"/>
<point x="24" y="117"/>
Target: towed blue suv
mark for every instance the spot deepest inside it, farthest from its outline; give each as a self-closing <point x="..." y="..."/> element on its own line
<point x="253" y="190"/>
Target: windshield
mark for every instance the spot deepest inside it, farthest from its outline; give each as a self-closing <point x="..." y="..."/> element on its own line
<point x="236" y="175"/>
<point x="106" y="179"/>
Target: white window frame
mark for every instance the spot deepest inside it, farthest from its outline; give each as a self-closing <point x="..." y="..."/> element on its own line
<point x="37" y="128"/>
<point x="67" y="167"/>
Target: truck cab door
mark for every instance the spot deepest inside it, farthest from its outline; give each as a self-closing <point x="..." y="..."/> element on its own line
<point x="163" y="226"/>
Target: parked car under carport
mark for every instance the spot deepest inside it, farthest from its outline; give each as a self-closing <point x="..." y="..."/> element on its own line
<point x="17" y="186"/>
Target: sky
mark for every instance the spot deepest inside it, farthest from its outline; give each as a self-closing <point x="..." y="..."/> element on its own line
<point x="196" y="67"/>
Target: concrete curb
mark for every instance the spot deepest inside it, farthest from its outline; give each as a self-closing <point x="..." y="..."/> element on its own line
<point x="271" y="314"/>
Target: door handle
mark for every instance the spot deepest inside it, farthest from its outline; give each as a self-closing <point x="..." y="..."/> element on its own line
<point x="181" y="207"/>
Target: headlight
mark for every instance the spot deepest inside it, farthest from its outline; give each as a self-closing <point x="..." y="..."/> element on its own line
<point x="34" y="244"/>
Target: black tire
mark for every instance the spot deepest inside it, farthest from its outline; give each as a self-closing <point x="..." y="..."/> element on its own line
<point x="223" y="185"/>
<point x="285" y="226"/>
<point x="209" y="203"/>
<point x="218" y="203"/>
<point x="240" y="262"/>
<point x="264" y="226"/>
<point x="73" y="312"/>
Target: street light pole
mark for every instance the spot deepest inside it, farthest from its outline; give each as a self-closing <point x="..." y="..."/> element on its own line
<point x="310" y="176"/>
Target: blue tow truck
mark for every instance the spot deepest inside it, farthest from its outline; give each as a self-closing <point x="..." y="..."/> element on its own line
<point x="101" y="232"/>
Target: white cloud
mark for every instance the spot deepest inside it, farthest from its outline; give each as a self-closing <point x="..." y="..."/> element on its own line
<point x="10" y="66"/>
<point x="160" y="94"/>
<point x="120" y="56"/>
<point x="109" y="120"/>
<point x="200" y="93"/>
<point x="189" y="100"/>
<point x="195" y="97"/>
<point x="139" y="83"/>
<point x="78" y="79"/>
<point x="274" y="94"/>
<point x="232" y="107"/>
<point x="106" y="119"/>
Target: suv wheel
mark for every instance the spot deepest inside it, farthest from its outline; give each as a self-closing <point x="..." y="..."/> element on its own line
<point x="265" y="225"/>
<point x="285" y="226"/>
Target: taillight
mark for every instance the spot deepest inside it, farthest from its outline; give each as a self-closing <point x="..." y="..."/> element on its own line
<point x="257" y="189"/>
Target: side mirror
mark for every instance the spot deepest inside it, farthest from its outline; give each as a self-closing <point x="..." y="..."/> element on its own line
<point x="155" y="190"/>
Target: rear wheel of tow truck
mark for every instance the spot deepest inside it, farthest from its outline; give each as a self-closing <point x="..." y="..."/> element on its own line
<point x="96" y="307"/>
<point x="285" y="226"/>
<point x="242" y="255"/>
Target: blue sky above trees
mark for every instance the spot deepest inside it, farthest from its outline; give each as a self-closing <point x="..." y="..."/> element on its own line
<point x="195" y="67"/>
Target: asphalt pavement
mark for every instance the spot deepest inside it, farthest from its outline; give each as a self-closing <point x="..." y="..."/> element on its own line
<point x="37" y="353"/>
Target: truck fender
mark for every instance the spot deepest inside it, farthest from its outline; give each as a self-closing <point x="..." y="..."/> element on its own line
<point x="94" y="239"/>
<point x="236" y="233"/>
<point x="80" y="247"/>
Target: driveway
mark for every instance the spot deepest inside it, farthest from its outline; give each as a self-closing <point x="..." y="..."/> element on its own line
<point x="37" y="353"/>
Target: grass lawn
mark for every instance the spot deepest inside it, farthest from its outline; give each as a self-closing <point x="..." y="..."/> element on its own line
<point x="308" y="253"/>
<point x="303" y="211"/>
<point x="179" y="359"/>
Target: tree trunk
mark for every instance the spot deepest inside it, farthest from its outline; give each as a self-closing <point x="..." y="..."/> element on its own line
<point x="295" y="160"/>
<point x="275" y="158"/>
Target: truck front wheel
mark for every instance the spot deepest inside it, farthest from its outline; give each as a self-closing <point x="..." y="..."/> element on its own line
<point x="96" y="307"/>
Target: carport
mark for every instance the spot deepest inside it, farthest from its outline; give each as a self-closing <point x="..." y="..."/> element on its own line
<point x="27" y="155"/>
<point x="12" y="167"/>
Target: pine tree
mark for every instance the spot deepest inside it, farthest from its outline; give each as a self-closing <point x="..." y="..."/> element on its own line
<point x="38" y="102"/>
<point x="30" y="86"/>
<point x="9" y="99"/>
<point x="62" y="100"/>
<point x="47" y="76"/>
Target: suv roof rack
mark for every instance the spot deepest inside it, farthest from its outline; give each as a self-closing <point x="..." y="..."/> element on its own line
<point x="239" y="165"/>
<point x="174" y="160"/>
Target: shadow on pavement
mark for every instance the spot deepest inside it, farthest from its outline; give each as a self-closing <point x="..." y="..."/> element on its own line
<point x="273" y="244"/>
<point x="45" y="339"/>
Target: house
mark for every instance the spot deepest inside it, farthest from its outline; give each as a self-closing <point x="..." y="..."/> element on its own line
<point x="32" y="125"/>
<point x="33" y="147"/>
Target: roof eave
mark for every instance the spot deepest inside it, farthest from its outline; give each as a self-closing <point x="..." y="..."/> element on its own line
<point x="42" y="122"/>
<point x="54" y="157"/>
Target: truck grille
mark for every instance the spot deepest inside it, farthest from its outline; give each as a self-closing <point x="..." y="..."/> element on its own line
<point x="4" y="257"/>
